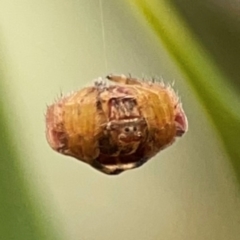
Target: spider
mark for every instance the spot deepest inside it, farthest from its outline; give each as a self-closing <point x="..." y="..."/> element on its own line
<point x="116" y="127"/>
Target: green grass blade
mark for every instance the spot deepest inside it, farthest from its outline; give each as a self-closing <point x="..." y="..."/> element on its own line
<point x="213" y="89"/>
<point x="20" y="216"/>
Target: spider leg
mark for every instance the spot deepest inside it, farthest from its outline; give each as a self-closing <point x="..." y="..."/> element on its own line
<point x="100" y="167"/>
<point x="141" y="162"/>
<point x="123" y="79"/>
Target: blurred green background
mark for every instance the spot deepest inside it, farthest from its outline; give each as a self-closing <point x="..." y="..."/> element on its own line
<point x="188" y="191"/>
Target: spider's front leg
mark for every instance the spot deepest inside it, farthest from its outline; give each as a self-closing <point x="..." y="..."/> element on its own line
<point x="100" y="167"/>
<point x="123" y="79"/>
<point x="117" y="170"/>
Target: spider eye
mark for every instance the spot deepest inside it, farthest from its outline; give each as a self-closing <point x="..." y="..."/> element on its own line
<point x="126" y="129"/>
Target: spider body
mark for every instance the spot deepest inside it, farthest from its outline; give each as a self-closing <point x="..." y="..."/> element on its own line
<point x="116" y="127"/>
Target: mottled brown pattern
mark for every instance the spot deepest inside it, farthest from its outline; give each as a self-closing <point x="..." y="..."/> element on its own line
<point x="117" y="127"/>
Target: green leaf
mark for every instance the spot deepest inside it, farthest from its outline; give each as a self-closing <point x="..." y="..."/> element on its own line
<point x="21" y="218"/>
<point x="221" y="101"/>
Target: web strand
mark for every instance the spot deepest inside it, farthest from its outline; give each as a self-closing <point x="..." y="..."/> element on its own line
<point x="103" y="35"/>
